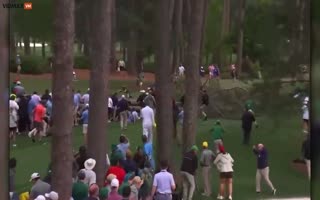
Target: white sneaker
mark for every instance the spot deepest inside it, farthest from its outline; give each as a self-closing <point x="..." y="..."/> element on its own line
<point x="230" y="198"/>
<point x="30" y="134"/>
<point x="14" y="145"/>
<point x="220" y="197"/>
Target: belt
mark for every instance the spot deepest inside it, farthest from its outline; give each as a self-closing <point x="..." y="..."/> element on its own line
<point x="158" y="193"/>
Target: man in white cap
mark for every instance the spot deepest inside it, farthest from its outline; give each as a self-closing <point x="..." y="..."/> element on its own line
<point x="39" y="187"/>
<point x="90" y="174"/>
<point x="85" y="121"/>
<point x="40" y="197"/>
<point x="114" y="190"/>
<point x="52" y="196"/>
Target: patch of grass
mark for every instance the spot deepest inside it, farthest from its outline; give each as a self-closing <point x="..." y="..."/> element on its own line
<point x="282" y="142"/>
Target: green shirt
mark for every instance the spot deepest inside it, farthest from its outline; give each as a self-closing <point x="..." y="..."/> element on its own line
<point x="123" y="185"/>
<point x="217" y="132"/>
<point x="79" y="191"/>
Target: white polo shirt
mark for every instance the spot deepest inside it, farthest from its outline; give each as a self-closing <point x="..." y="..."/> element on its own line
<point x="163" y="181"/>
<point x="147" y="116"/>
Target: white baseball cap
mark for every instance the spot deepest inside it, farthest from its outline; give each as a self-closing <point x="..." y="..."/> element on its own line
<point x="52" y="195"/>
<point x="34" y="176"/>
<point x="115" y="183"/>
<point x="40" y="197"/>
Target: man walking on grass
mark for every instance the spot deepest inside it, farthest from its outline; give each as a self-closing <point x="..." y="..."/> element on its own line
<point x="248" y="119"/>
<point x="204" y="104"/>
<point x="188" y="170"/>
<point x="85" y="121"/>
<point x="217" y="132"/>
<point x="148" y="122"/>
<point x="206" y="160"/>
<point x="262" y="167"/>
<point x="39" y="114"/>
<point x="123" y="108"/>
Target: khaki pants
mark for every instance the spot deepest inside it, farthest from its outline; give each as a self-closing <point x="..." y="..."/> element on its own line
<point x="265" y="174"/>
<point x="216" y="145"/>
<point x="123" y="119"/>
<point x="188" y="184"/>
<point x="308" y="164"/>
<point x="206" y="176"/>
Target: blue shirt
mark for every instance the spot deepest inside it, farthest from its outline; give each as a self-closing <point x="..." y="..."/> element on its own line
<point x="76" y="99"/>
<point x="85" y="117"/>
<point x="147" y="148"/>
<point x="31" y="105"/>
<point x="262" y="158"/>
<point x="49" y="107"/>
<point x="123" y="147"/>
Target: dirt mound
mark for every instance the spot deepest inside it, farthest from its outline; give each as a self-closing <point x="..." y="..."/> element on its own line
<point x="227" y="103"/>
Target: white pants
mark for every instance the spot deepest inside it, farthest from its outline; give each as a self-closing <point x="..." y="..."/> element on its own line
<point x="84" y="128"/>
<point x="264" y="173"/>
<point x="308" y="164"/>
<point x="147" y="131"/>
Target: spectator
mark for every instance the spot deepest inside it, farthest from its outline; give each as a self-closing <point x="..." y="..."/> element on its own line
<point x="139" y="158"/>
<point x="204" y="103"/>
<point x="90" y="174"/>
<point x="224" y="163"/>
<point x="148" y="151"/>
<point x="115" y="101"/>
<point x="163" y="184"/>
<point x="247" y="121"/>
<point x="118" y="171"/>
<point x="52" y="196"/>
<point x="217" y="132"/>
<point x="116" y="155"/>
<point x="188" y="169"/>
<point x="110" y="109"/>
<point x="39" y="187"/>
<point x="206" y="161"/>
<point x="262" y="167"/>
<point x="85" y="121"/>
<point x="13" y="124"/>
<point x="113" y="195"/>
<point x="135" y="187"/>
<point x="148" y="122"/>
<point x="141" y="97"/>
<point x="103" y="194"/>
<point x="93" y="192"/>
<point x="12" y="174"/>
<point x="46" y="96"/>
<point x="123" y="108"/>
<point x="18" y="89"/>
<point x="108" y="181"/>
<point x="307" y="155"/>
<point x="86" y="97"/>
<point x="81" y="157"/>
<point x="40" y="197"/>
<point x="124" y="145"/>
<point x="129" y="165"/>
<point x="79" y="188"/>
<point x="126" y="194"/>
<point x="23" y="118"/>
<point x="127" y="182"/>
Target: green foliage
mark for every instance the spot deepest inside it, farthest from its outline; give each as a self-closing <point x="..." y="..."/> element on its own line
<point x="81" y="62"/>
<point x="31" y="65"/>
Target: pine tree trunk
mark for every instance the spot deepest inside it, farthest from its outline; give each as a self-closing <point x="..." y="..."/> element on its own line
<point x="113" y="58"/>
<point x="203" y="28"/>
<point x="26" y="42"/>
<point x="223" y="58"/>
<point x="191" y="106"/>
<point x="132" y="53"/>
<point x="43" y="49"/>
<point x="4" y="120"/>
<point x="178" y="36"/>
<point x="163" y="82"/>
<point x="61" y="147"/>
<point x="242" y="11"/>
<point x="100" y="42"/>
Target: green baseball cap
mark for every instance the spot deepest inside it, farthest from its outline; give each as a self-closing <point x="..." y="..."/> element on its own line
<point x="103" y="194"/>
<point x="194" y="148"/>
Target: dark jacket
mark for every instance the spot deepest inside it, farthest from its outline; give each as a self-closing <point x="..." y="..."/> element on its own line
<point x="129" y="166"/>
<point x="114" y="100"/>
<point x="189" y="163"/>
<point x="141" y="98"/>
<point x="123" y="105"/>
<point x="205" y="99"/>
<point x="247" y="120"/>
<point x="262" y="158"/>
<point x="306" y="149"/>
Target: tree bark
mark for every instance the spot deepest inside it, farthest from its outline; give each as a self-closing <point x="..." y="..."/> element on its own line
<point x="223" y="58"/>
<point x="203" y="29"/>
<point x="61" y="148"/>
<point x="186" y="28"/>
<point x="178" y="36"/>
<point x="113" y="58"/>
<point x="26" y="42"/>
<point x="191" y="106"/>
<point x="163" y="81"/>
<point x="100" y="42"/>
<point x="4" y="107"/>
<point x="132" y="53"/>
<point x="241" y="17"/>
<point x="43" y="49"/>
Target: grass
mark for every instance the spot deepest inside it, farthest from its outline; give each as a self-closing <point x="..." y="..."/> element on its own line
<point x="283" y="143"/>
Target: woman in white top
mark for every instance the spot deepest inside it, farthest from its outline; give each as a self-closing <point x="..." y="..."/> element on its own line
<point x="305" y="115"/>
<point x="224" y="163"/>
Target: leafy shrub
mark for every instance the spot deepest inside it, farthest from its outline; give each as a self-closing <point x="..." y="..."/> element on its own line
<point x="81" y="62"/>
<point x="31" y="65"/>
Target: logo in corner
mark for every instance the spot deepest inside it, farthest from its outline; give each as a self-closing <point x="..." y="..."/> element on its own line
<point x="27" y="6"/>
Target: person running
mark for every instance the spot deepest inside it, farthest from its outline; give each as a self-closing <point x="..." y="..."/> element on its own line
<point x="123" y="108"/>
<point x="163" y="183"/>
<point x="224" y="163"/>
<point x="39" y="115"/>
<point x="85" y="121"/>
<point x="204" y="104"/>
<point x="148" y="121"/>
<point x="248" y="119"/>
<point x="217" y="133"/>
<point x="206" y="160"/>
<point x="262" y="167"/>
<point x="188" y="170"/>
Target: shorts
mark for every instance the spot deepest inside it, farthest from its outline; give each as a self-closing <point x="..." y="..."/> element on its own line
<point x="38" y="126"/>
<point x="12" y="129"/>
<point x="226" y="175"/>
<point x="306" y="120"/>
<point x="84" y="129"/>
